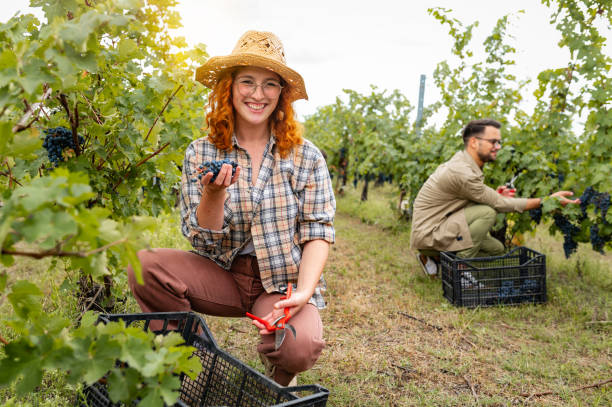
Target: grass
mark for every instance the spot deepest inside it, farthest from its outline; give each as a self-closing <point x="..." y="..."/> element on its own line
<point x="393" y="340"/>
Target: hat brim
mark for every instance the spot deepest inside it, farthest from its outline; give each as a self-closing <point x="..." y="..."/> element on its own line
<point x="208" y="74"/>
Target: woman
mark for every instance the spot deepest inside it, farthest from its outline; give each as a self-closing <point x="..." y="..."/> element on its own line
<point x="266" y="226"/>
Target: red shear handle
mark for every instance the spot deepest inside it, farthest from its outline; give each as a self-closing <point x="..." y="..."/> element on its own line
<point x="280" y="323"/>
<point x="263" y="321"/>
<point x="508" y="188"/>
<point x="284" y="320"/>
<point x="288" y="295"/>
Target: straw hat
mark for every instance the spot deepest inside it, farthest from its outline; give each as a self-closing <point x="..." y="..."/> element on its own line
<point x="255" y="48"/>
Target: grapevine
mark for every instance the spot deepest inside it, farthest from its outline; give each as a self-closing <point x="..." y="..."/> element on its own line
<point x="122" y="87"/>
<point x="57" y="140"/>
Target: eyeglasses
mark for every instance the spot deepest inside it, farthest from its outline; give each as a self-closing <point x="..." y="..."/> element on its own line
<point x="270" y="88"/>
<point x="492" y="141"/>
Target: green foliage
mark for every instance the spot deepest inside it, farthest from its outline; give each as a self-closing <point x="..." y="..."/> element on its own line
<point x="112" y="73"/>
<point x="371" y="129"/>
<point x="132" y="356"/>
<point x="106" y="72"/>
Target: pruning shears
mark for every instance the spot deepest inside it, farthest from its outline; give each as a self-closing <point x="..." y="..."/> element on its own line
<point x="280" y="325"/>
<point x="509" y="184"/>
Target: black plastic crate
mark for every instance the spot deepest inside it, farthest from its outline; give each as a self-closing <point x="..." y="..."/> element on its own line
<point x="224" y="380"/>
<point x="516" y="277"/>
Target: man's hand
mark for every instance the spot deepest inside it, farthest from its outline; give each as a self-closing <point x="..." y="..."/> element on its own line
<point x="562" y="195"/>
<point x="506" y="191"/>
<point x="533" y="203"/>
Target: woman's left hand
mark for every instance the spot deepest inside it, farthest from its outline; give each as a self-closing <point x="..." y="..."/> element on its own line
<point x="295" y="303"/>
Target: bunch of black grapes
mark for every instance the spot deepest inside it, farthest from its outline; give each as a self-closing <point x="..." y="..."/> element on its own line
<point x="214" y="167"/>
<point x="561" y="178"/>
<point x="598" y="242"/>
<point x="601" y="201"/>
<point x="56" y="141"/>
<point x="569" y="230"/>
<point x="536" y="215"/>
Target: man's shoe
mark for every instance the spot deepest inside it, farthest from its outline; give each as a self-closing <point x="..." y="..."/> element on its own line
<point x="429" y="265"/>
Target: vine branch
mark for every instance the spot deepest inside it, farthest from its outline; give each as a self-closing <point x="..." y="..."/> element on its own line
<point x="108" y="154"/>
<point x="159" y="150"/>
<point x="97" y="117"/>
<point x="59" y="253"/>
<point x="91" y="302"/>
<point x="128" y="169"/>
<point x="162" y="111"/>
<point x="73" y="118"/>
<point x="9" y="174"/>
<point x="29" y="111"/>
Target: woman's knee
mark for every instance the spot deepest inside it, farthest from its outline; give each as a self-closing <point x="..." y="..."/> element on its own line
<point x="303" y="353"/>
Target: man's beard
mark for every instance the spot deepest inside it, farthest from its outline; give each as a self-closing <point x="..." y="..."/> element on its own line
<point x="485" y="158"/>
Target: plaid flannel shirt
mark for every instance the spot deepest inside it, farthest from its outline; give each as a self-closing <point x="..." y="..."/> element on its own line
<point x="291" y="203"/>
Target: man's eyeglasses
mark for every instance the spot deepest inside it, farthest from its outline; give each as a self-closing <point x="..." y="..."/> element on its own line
<point x="492" y="141"/>
<point x="270" y="88"/>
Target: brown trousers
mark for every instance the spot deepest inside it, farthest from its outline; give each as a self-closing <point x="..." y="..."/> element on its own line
<point x="176" y="280"/>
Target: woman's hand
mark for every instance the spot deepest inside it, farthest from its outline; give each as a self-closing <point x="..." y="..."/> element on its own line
<point x="210" y="209"/>
<point x="224" y="179"/>
<point x="295" y="303"/>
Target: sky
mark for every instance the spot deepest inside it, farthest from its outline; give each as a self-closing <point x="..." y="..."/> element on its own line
<point x="352" y="44"/>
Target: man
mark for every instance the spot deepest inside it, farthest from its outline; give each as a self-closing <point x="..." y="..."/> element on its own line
<point x="455" y="211"/>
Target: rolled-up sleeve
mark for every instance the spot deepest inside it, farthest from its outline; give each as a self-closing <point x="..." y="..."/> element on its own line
<point x="318" y="206"/>
<point x="203" y="240"/>
<point x="475" y="190"/>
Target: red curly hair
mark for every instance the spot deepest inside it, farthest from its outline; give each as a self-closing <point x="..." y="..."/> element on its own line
<point x="220" y="118"/>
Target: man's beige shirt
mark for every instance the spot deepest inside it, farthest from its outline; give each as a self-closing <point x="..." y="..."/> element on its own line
<point x="438" y="219"/>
